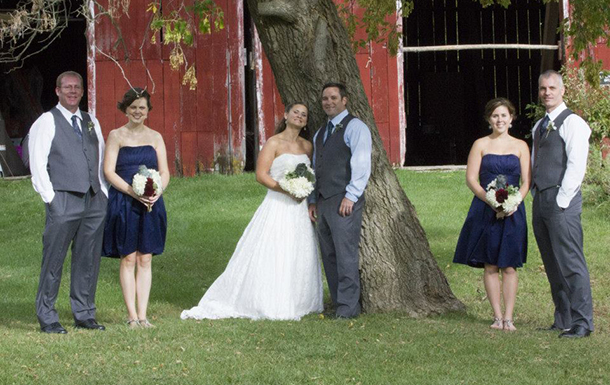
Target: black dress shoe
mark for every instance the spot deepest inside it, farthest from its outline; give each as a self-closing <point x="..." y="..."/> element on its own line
<point x="90" y="324"/>
<point x="552" y="328"/>
<point x="576" y="332"/>
<point x="54" y="328"/>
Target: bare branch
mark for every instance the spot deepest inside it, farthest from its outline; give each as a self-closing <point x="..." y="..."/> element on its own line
<point x="117" y="64"/>
<point x="32" y="23"/>
<point x="144" y="40"/>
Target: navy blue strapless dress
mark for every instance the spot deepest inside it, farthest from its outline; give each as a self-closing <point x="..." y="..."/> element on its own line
<point x="129" y="226"/>
<point x="485" y="239"/>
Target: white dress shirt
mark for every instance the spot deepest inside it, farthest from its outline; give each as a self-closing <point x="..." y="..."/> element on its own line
<point x="575" y="133"/>
<point x="40" y="139"/>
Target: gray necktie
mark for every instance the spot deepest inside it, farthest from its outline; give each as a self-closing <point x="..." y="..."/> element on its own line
<point x="75" y="127"/>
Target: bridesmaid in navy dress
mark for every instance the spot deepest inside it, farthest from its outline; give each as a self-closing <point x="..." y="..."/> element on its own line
<point x="496" y="244"/>
<point x="132" y="232"/>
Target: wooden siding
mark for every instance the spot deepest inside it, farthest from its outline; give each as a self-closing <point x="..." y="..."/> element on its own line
<point x="599" y="52"/>
<point x="203" y="129"/>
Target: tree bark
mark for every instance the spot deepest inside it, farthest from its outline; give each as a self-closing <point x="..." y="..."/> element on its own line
<point x="307" y="45"/>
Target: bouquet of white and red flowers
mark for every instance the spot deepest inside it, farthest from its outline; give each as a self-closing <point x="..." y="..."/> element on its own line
<point x="502" y="196"/>
<point x="146" y="183"/>
<point x="298" y="182"/>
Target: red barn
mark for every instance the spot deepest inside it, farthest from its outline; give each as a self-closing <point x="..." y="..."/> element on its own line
<point x="222" y="124"/>
<point x="427" y="100"/>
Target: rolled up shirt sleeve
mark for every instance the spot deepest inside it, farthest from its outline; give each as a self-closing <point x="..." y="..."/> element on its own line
<point x="575" y="133"/>
<point x="358" y="138"/>
<point x="39" y="145"/>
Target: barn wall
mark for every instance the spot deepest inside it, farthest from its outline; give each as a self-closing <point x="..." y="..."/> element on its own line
<point x="600" y="52"/>
<point x="203" y="129"/>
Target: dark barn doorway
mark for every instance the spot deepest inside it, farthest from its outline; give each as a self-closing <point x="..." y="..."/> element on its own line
<point x="28" y="87"/>
<point x="446" y="91"/>
<point x="251" y="106"/>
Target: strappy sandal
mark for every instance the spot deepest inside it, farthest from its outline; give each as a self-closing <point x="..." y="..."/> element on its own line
<point x="145" y="324"/>
<point x="133" y="323"/>
<point x="509" y="326"/>
<point x="498" y="325"/>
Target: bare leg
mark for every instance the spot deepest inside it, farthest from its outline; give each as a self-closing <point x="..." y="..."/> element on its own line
<point x="143" y="284"/>
<point x="509" y="292"/>
<point x="491" y="279"/>
<point x="128" y="284"/>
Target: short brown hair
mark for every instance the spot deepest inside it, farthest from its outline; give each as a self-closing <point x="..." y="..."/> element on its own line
<point x="68" y="73"/>
<point x="340" y="86"/>
<point x="491" y="106"/>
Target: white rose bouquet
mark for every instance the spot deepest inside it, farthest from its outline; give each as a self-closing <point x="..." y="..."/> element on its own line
<point x="147" y="183"/>
<point x="299" y="182"/>
<point x="503" y="197"/>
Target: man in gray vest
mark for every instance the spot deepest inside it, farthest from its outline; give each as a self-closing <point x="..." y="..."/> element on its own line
<point x="66" y="148"/>
<point x="342" y="163"/>
<point x="559" y="162"/>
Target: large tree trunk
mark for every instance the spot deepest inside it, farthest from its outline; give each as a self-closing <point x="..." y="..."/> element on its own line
<point x="307" y="46"/>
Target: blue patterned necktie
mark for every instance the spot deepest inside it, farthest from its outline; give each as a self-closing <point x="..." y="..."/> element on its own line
<point x="545" y="122"/>
<point x="541" y="127"/>
<point x="538" y="136"/>
<point x="329" y="131"/>
<point x="76" y="128"/>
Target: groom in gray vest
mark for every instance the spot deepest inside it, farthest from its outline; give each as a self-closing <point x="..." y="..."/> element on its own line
<point x="66" y="149"/>
<point x="342" y="163"/>
<point x="559" y="162"/>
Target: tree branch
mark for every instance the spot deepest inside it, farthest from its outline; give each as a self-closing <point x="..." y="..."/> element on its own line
<point x="283" y="10"/>
<point x="320" y="44"/>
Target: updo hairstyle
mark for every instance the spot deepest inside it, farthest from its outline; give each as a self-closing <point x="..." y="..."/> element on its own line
<point x="131" y="96"/>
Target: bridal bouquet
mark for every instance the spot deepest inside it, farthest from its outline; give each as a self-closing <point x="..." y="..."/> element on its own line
<point x="502" y="196"/>
<point x="147" y="183"/>
<point x="299" y="182"/>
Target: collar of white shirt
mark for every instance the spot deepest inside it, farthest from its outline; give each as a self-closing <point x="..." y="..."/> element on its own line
<point x="555" y="113"/>
<point x="68" y="115"/>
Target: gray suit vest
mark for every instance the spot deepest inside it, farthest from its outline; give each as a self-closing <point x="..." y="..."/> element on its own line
<point x="333" y="169"/>
<point x="551" y="159"/>
<point x="73" y="164"/>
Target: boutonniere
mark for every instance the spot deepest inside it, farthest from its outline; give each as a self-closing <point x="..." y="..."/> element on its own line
<point x="550" y="127"/>
<point x="90" y="126"/>
<point x="338" y="127"/>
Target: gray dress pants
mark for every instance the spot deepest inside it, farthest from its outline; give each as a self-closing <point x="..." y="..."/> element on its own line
<point x="77" y="219"/>
<point x="560" y="240"/>
<point x="339" y="238"/>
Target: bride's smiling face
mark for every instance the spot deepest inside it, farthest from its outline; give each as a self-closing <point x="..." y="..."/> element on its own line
<point x="297" y="116"/>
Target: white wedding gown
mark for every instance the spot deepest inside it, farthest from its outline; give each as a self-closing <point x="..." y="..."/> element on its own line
<point x="274" y="272"/>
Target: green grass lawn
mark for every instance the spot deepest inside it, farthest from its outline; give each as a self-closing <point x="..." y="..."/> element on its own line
<point x="206" y="217"/>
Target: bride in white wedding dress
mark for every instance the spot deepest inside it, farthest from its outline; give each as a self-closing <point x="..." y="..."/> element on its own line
<point x="274" y="272"/>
